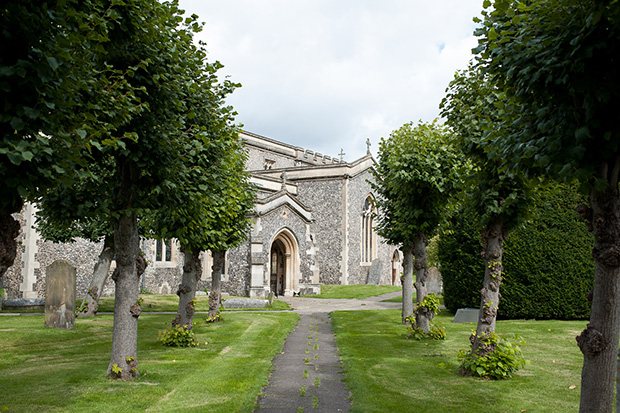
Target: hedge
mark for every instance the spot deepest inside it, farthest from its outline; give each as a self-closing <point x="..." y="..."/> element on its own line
<point x="548" y="267"/>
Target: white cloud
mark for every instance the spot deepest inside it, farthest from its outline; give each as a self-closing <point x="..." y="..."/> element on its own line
<point x="327" y="74"/>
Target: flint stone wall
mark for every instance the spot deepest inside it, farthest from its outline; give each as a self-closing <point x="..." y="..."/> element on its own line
<point x="359" y="189"/>
<point x="324" y="197"/>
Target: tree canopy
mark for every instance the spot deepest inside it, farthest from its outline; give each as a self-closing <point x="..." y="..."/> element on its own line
<point x="415" y="176"/>
<point x="556" y="63"/>
<point x="57" y="93"/>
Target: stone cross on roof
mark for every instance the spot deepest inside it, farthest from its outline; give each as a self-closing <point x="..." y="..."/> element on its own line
<point x="341" y="154"/>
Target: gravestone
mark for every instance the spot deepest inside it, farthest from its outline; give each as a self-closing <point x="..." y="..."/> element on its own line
<point x="24" y="304"/>
<point x="466" y="315"/>
<point x="434" y="283"/>
<point x="60" y="295"/>
<point x="374" y="275"/>
<point x="270" y="297"/>
<point x="245" y="303"/>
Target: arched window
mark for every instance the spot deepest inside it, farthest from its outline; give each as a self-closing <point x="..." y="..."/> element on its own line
<point x="369" y="239"/>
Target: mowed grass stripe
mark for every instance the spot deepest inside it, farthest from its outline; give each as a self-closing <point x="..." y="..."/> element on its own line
<point x="54" y="370"/>
<point x="387" y="372"/>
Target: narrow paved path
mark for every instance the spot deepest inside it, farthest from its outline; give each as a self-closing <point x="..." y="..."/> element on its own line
<point x="307" y="375"/>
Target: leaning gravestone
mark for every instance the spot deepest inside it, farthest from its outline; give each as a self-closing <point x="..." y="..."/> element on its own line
<point x="466" y="315"/>
<point x="434" y="283"/>
<point x="60" y="295"/>
<point x="374" y="275"/>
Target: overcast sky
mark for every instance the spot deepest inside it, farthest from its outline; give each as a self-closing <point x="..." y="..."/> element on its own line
<point x="328" y="74"/>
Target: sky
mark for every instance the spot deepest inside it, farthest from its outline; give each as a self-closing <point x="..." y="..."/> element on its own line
<point x="327" y="75"/>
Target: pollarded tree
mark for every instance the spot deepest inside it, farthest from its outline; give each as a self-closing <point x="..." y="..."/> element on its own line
<point x="53" y="94"/>
<point x="500" y="198"/>
<point x="213" y="215"/>
<point x="415" y="179"/>
<point x="557" y="63"/>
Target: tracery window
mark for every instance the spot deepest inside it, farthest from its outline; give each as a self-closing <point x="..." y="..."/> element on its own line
<point x="369" y="238"/>
<point x="163" y="250"/>
<point x="268" y="164"/>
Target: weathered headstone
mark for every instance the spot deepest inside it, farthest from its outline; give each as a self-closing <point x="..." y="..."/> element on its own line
<point x="466" y="315"/>
<point x="24" y="304"/>
<point x="374" y="275"/>
<point x="434" y="283"/>
<point x="270" y="297"/>
<point x="245" y="303"/>
<point x="60" y="295"/>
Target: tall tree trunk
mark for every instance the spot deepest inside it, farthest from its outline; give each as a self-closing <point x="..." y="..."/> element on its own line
<point x="9" y="230"/>
<point x="126" y="307"/>
<point x="423" y="316"/>
<point x="100" y="275"/>
<point x="493" y="250"/>
<point x="599" y="341"/>
<point x="187" y="290"/>
<point x="407" y="281"/>
<point x="618" y="379"/>
<point x="215" y="296"/>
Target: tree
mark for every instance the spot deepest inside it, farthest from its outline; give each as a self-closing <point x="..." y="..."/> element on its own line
<point x="147" y="167"/>
<point x="48" y="68"/>
<point x="501" y="199"/>
<point x="557" y="63"/>
<point x="415" y="179"/>
<point x="214" y="213"/>
<point x="152" y="46"/>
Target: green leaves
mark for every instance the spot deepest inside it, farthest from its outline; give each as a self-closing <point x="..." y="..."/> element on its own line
<point x="550" y="60"/>
<point x="415" y="178"/>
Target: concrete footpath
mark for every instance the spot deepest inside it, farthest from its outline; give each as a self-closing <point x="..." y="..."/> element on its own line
<point x="307" y="375"/>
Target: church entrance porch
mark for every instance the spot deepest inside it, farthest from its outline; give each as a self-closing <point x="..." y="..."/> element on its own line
<point x="278" y="270"/>
<point x="284" y="270"/>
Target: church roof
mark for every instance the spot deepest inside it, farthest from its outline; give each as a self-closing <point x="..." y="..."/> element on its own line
<point x="305" y="156"/>
<point x="280" y="198"/>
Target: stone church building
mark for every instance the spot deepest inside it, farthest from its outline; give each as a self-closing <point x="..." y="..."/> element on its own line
<point x="312" y="224"/>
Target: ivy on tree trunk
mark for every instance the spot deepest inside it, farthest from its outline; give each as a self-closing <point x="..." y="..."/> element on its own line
<point x="493" y="248"/>
<point x="90" y="304"/>
<point x="192" y="272"/>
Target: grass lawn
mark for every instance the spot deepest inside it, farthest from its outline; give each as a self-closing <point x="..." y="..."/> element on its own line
<point x="387" y="372"/>
<point x="353" y="291"/>
<point x="63" y="370"/>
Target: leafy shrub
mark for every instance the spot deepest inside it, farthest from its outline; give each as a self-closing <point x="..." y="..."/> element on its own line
<point x="548" y="267"/>
<point x="436" y="332"/>
<point x="430" y="304"/>
<point x="213" y="319"/>
<point x="178" y="336"/>
<point x="506" y="359"/>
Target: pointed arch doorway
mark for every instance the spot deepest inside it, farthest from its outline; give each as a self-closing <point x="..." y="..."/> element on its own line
<point x="284" y="264"/>
<point x="395" y="268"/>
